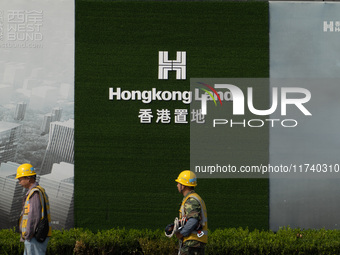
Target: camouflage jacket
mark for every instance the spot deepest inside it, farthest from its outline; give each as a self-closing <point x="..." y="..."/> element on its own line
<point x="192" y="208"/>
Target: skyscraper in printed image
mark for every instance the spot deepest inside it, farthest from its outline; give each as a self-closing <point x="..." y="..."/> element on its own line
<point x="56" y="113"/>
<point x="59" y="186"/>
<point x="20" y="111"/>
<point x="60" y="147"/>
<point x="9" y="138"/>
<point x="11" y="195"/>
<point x="45" y="125"/>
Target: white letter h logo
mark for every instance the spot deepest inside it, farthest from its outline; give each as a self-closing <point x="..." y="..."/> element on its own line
<point x="165" y="65"/>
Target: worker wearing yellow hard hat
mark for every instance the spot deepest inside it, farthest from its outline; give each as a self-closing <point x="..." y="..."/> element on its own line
<point x="35" y="219"/>
<point x="193" y="222"/>
<point x="187" y="178"/>
<point x="25" y="170"/>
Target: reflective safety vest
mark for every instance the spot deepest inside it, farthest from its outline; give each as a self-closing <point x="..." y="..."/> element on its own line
<point x="24" y="214"/>
<point x="202" y="234"/>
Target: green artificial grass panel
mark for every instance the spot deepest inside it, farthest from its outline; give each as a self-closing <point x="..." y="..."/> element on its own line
<point x="125" y="170"/>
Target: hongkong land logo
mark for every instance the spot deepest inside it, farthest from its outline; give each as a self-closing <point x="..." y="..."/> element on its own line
<point x="219" y="90"/>
<point x="165" y="65"/>
<point x="294" y="96"/>
<point x="331" y="26"/>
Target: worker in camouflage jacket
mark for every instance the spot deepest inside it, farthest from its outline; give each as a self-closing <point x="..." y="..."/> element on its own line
<point x="193" y="222"/>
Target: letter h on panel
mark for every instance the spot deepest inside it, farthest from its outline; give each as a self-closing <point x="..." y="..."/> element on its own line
<point x="165" y="65"/>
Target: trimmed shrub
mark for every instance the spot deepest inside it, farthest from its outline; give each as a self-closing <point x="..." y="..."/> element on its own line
<point x="221" y="241"/>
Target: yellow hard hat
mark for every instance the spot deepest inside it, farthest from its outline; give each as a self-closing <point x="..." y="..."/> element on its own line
<point x="187" y="178"/>
<point x="25" y="170"/>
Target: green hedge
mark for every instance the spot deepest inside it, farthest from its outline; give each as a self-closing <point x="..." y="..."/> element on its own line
<point x="221" y="241"/>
